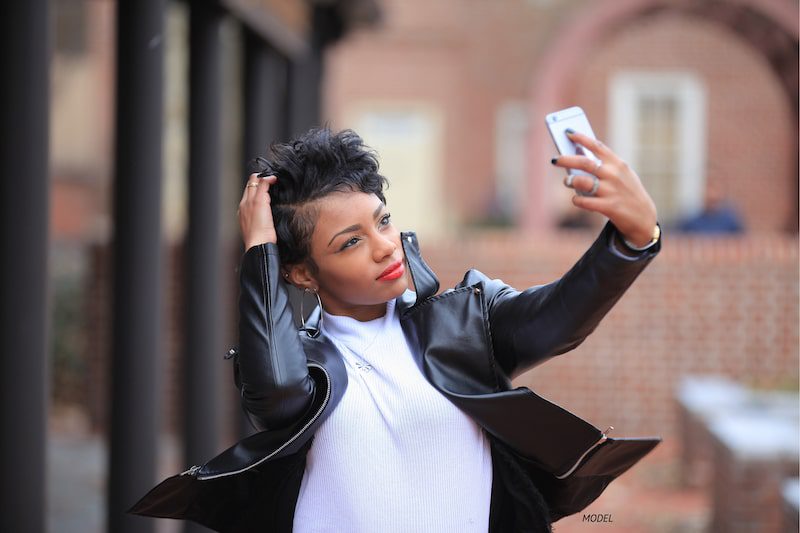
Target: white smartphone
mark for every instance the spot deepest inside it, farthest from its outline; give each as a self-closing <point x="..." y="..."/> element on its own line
<point x="575" y="118"/>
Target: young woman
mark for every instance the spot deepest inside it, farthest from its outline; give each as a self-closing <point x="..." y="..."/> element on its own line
<point x="392" y="408"/>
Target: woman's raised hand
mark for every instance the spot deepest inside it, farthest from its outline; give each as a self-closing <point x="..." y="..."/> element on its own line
<point x="619" y="194"/>
<point x="255" y="212"/>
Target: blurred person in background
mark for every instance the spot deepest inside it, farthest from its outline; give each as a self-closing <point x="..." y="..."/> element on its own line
<point x="718" y="215"/>
<point x="391" y="409"/>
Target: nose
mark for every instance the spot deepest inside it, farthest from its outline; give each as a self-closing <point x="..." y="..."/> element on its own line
<point x="385" y="246"/>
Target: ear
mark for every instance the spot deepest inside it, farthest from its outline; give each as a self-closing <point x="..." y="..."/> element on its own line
<point x="300" y="276"/>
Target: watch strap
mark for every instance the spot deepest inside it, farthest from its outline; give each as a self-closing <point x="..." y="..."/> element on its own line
<point x="656" y="236"/>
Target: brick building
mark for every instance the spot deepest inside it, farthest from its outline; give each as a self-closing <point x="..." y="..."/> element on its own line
<point x="452" y="94"/>
<point x="478" y="77"/>
<point x="465" y="85"/>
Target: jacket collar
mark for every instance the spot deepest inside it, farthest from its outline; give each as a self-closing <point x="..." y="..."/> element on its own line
<point x="425" y="281"/>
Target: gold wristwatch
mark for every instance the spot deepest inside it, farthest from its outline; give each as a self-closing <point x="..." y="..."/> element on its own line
<point x="656" y="236"/>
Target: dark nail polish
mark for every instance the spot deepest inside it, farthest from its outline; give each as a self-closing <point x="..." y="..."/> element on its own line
<point x="570" y="131"/>
<point x="553" y="161"/>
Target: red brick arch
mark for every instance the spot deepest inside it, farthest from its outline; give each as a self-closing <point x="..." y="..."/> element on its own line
<point x="769" y="26"/>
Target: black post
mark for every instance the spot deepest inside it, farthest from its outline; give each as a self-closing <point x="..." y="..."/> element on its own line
<point x="306" y="73"/>
<point x="304" y="102"/>
<point x="137" y="332"/>
<point x="203" y="343"/>
<point x="265" y="99"/>
<point x="24" y="218"/>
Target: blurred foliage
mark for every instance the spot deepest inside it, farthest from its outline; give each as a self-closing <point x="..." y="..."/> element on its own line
<point x="781" y="384"/>
<point x="69" y="365"/>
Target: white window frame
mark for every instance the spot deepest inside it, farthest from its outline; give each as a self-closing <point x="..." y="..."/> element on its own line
<point x="417" y="197"/>
<point x="626" y="87"/>
<point x="511" y="127"/>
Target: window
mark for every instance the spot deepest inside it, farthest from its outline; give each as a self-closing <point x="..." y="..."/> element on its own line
<point x="408" y="137"/>
<point x="657" y="124"/>
<point x="511" y="137"/>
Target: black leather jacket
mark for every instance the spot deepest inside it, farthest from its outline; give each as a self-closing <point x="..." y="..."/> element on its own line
<point x="471" y="341"/>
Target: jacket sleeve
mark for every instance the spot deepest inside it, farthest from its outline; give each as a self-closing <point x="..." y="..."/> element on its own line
<point x="531" y="326"/>
<point x="270" y="368"/>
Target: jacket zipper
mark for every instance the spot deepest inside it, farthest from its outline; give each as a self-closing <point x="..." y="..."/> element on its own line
<point x="601" y="440"/>
<point x="194" y="469"/>
<point x="267" y="303"/>
<point x="191" y="471"/>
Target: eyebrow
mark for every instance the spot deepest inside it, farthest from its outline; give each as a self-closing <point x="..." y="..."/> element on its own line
<point x="355" y="227"/>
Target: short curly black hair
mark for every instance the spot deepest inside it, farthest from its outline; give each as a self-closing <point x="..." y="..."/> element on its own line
<point x="309" y="167"/>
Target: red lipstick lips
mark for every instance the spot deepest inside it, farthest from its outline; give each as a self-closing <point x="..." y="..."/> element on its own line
<point x="394" y="271"/>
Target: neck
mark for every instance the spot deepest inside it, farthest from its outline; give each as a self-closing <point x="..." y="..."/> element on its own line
<point x="362" y="313"/>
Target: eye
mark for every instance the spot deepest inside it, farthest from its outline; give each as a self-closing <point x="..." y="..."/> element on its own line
<point x="348" y="244"/>
<point x="386" y="220"/>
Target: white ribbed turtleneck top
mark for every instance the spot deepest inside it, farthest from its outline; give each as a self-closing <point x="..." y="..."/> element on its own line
<point x="394" y="455"/>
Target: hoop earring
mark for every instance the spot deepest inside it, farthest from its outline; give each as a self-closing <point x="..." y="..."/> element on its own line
<point x="303" y="327"/>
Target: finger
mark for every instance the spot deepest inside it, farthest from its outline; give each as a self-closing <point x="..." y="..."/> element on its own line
<point x="584" y="183"/>
<point x="252" y="178"/>
<point x="248" y="190"/>
<point x="579" y="162"/>
<point x="263" y="186"/>
<point x="597" y="147"/>
<point x="591" y="203"/>
<point x="257" y="187"/>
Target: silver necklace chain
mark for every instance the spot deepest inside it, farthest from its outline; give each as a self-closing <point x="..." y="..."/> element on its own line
<point x="360" y="363"/>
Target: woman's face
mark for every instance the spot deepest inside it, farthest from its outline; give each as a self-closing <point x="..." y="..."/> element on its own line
<point x="354" y="242"/>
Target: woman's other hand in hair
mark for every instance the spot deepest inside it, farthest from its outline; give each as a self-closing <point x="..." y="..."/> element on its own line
<point x="255" y="212"/>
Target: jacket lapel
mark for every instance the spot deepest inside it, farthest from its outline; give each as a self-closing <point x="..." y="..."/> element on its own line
<point x="425" y="281"/>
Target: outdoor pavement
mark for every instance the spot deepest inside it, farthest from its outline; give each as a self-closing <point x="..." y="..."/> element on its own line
<point x="77" y="461"/>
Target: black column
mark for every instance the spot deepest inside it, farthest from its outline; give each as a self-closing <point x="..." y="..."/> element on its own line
<point x="265" y="99"/>
<point x="24" y="218"/>
<point x="204" y="320"/>
<point x="306" y="73"/>
<point x="137" y="333"/>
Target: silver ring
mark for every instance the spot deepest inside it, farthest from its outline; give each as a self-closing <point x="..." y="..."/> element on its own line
<point x="314" y="332"/>
<point x="568" y="182"/>
<point x="595" y="186"/>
